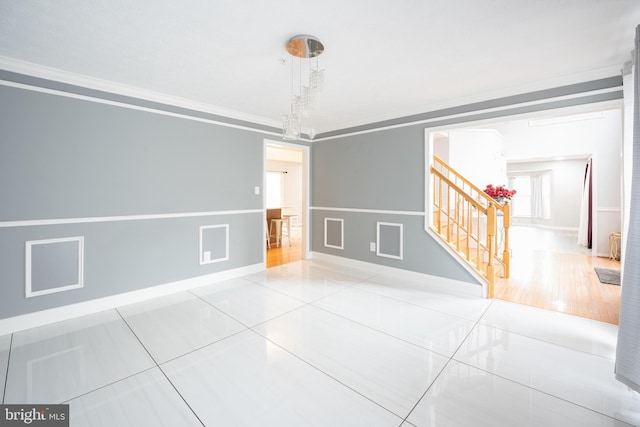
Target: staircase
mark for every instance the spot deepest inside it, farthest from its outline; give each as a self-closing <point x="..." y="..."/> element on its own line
<point x="471" y="223"/>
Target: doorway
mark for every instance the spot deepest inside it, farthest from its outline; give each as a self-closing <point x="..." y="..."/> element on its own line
<point x="286" y="203"/>
<point x="548" y="268"/>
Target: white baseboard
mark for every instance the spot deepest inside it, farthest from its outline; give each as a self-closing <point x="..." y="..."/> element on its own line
<point x="456" y="257"/>
<point x="435" y="282"/>
<point x="44" y="317"/>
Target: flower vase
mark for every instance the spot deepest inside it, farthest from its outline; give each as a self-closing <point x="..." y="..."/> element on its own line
<point x="499" y="199"/>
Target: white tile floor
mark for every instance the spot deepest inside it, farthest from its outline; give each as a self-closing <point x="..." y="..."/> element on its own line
<point x="313" y="344"/>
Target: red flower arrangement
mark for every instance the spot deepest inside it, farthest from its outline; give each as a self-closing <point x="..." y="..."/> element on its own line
<point x="499" y="192"/>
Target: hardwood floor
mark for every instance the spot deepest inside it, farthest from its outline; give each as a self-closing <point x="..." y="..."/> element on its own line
<point x="560" y="279"/>
<point x="285" y="254"/>
<point x="547" y="271"/>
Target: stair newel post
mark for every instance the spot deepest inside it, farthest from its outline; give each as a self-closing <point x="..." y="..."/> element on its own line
<point x="506" y="255"/>
<point x="491" y="243"/>
<point x="449" y="225"/>
<point x="470" y="216"/>
<point x="440" y="204"/>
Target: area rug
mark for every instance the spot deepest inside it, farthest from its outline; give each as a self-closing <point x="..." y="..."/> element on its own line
<point x="608" y="276"/>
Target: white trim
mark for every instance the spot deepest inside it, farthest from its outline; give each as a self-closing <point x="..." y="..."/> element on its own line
<point x="341" y="221"/>
<point x="306" y="192"/>
<point x="456" y="257"/>
<point x="134" y="107"/>
<point x="39" y="222"/>
<point x="39" y="318"/>
<point x="389" y="224"/>
<point x="616" y="102"/>
<point x="429" y="136"/>
<point x="29" y="293"/>
<point x="574" y="109"/>
<point x="608" y="209"/>
<point x="552" y="83"/>
<point x="27" y="68"/>
<point x="35" y="70"/>
<point x="443" y="284"/>
<point x="306" y="200"/>
<point x="373" y="211"/>
<point x="204" y="261"/>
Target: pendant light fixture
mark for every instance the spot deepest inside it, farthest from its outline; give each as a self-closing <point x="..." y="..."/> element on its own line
<point x="307" y="82"/>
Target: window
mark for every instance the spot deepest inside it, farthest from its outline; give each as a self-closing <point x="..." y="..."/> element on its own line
<point x="274" y="189"/>
<point x="533" y="195"/>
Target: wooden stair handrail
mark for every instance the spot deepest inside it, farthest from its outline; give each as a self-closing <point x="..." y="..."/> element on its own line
<point x="475" y="188"/>
<point x="459" y="216"/>
<point x="463" y="193"/>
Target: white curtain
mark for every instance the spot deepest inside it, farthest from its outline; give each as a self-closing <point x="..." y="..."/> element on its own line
<point x="536" y="196"/>
<point x="583" y="227"/>
<point x="628" y="350"/>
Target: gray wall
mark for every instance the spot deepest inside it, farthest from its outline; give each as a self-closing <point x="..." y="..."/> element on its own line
<point x="71" y="158"/>
<point x="63" y="157"/>
<point x="421" y="253"/>
<point x="385" y="170"/>
<point x="378" y="171"/>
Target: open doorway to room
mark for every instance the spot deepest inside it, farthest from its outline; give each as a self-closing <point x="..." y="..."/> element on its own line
<point x="286" y="203"/>
<point x="544" y="159"/>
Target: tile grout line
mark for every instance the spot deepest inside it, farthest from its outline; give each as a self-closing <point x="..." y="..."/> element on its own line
<point x="418" y="305"/>
<point x="158" y="366"/>
<point x="523" y="334"/>
<point x="542" y="392"/>
<point x="6" y="377"/>
<point x="250" y="328"/>
<point x="478" y="323"/>
<point x="203" y="347"/>
<point x="135" y="335"/>
<point x="382" y="332"/>
<point x="353" y="286"/>
<point x="219" y="311"/>
<point x="102" y="386"/>
<point x="325" y="373"/>
<point x="181" y="396"/>
<point x="190" y="351"/>
<point x="302" y="306"/>
<point x="448" y="362"/>
<point x="107" y="385"/>
<point x="249" y="282"/>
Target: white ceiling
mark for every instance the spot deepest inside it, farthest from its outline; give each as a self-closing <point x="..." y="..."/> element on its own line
<point x="383" y="59"/>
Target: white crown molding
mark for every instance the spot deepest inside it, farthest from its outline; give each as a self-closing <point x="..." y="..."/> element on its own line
<point x="40" y="71"/>
<point x="552" y="83"/>
<point x="35" y="70"/>
<point x="506" y="108"/>
<point x="556" y="82"/>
